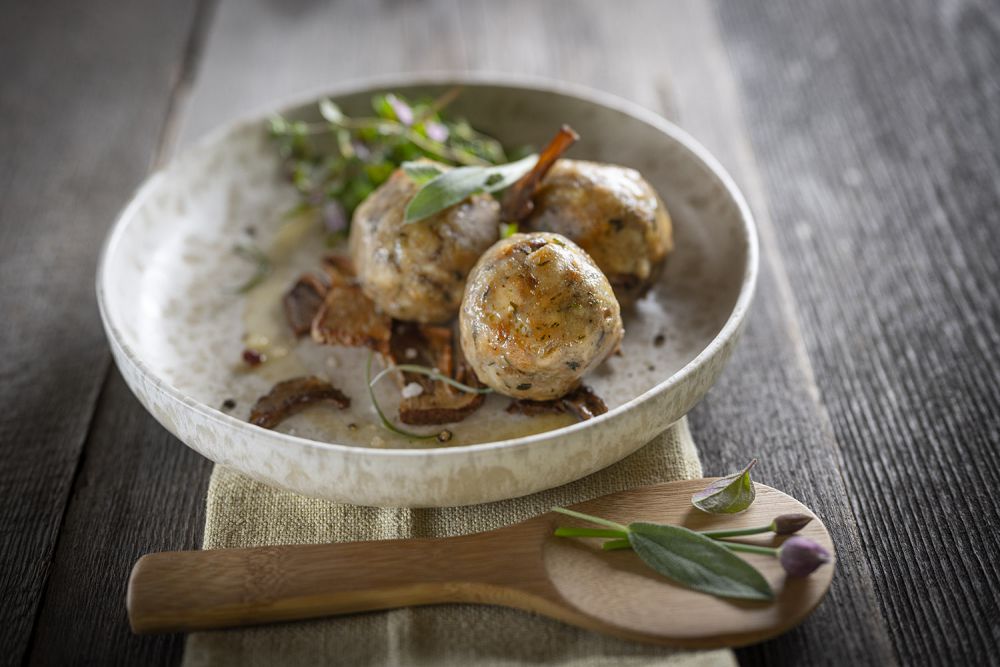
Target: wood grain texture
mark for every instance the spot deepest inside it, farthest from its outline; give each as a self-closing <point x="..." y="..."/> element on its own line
<point x="870" y="355"/>
<point x="138" y="490"/>
<point x="83" y="99"/>
<point x="766" y="404"/>
<point x="877" y="125"/>
<point x="522" y="566"/>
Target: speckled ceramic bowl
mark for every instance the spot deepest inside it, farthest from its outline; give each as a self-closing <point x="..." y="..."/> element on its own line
<point x="177" y="327"/>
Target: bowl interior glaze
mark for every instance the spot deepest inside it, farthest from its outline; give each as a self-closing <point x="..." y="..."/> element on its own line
<point x="166" y="289"/>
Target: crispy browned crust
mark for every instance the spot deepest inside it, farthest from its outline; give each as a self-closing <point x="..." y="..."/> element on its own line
<point x="292" y="396"/>
<point x="582" y="402"/>
<point x="433" y="346"/>
<point x="302" y="302"/>
<point x="347" y="317"/>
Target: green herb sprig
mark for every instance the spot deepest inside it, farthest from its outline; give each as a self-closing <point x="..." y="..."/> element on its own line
<point x="450" y="187"/>
<point x="727" y="495"/>
<point x="432" y="373"/>
<point x="343" y="158"/>
<point x="683" y="555"/>
<point x="260" y="261"/>
<point x="705" y="561"/>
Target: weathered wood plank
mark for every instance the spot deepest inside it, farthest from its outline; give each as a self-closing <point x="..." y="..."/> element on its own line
<point x="877" y="126"/>
<point x="766" y="404"/>
<point x="139" y="490"/>
<point x="796" y="351"/>
<point x="83" y="96"/>
<point x="548" y="43"/>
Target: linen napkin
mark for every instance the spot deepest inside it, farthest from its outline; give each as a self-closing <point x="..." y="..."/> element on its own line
<point x="245" y="513"/>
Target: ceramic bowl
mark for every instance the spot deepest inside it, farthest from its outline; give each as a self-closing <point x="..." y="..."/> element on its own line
<point x="176" y="325"/>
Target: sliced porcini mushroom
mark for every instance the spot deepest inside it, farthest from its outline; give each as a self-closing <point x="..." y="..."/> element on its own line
<point x="302" y="302"/>
<point x="434" y="347"/>
<point x="347" y="317"/>
<point x="292" y="396"/>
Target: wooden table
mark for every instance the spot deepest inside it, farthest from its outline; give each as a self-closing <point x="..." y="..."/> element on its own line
<point x="865" y="134"/>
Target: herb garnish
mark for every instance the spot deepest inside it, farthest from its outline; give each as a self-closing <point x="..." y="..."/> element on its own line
<point x="451" y="187"/>
<point x="343" y="158"/>
<point x="689" y="558"/>
<point x="262" y="265"/>
<point x="704" y="561"/>
<point x="432" y="373"/>
<point x="507" y="230"/>
<point x="727" y="495"/>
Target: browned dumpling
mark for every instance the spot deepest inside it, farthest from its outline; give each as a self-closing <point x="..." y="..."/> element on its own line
<point x="613" y="214"/>
<point x="417" y="271"/>
<point x="536" y="316"/>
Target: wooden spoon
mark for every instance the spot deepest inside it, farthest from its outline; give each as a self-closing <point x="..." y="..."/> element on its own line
<point x="522" y="566"/>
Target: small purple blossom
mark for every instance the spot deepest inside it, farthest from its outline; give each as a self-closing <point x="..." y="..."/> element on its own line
<point x="361" y="150"/>
<point x="404" y="114"/>
<point x="436" y="131"/>
<point x="800" y="556"/>
<point x="334" y="216"/>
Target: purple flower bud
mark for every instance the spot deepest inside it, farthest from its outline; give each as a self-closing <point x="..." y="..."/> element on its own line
<point x="800" y="556"/>
<point x="361" y="150"/>
<point x="404" y="114"/>
<point x="334" y="216"/>
<point x="786" y="524"/>
<point x="436" y="131"/>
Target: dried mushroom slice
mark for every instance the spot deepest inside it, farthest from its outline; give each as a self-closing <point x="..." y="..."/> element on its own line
<point x="347" y="317"/>
<point x="291" y="396"/>
<point x="433" y="347"/>
<point x="302" y="302"/>
<point x="339" y="269"/>
<point x="584" y="403"/>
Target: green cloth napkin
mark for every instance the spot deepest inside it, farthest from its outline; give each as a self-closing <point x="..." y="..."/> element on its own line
<point x="245" y="513"/>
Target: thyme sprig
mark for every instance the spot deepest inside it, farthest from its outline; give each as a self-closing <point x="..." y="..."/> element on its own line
<point x="261" y="262"/>
<point x="344" y="158"/>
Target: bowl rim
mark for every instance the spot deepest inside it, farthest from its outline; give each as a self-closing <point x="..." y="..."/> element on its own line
<point x="728" y="331"/>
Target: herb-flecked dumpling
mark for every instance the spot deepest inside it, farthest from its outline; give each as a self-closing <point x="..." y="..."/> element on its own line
<point x="613" y="213"/>
<point x="537" y="315"/>
<point x="417" y="271"/>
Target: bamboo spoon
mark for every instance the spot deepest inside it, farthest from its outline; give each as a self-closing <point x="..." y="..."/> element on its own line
<point x="522" y="566"/>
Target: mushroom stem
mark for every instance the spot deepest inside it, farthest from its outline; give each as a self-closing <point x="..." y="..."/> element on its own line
<point x="517" y="203"/>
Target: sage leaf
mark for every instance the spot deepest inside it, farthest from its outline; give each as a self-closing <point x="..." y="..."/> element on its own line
<point x="727" y="495"/>
<point x="697" y="562"/>
<point x="453" y="186"/>
<point x="422" y="172"/>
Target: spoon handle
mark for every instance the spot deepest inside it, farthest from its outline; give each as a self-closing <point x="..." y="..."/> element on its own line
<point x="198" y="590"/>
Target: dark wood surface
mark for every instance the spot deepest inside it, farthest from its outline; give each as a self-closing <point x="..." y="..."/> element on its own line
<point x="865" y="134"/>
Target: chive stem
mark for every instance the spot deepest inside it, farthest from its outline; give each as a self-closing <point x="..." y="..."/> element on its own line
<point x="378" y="410"/>
<point x="432" y="373"/>
<point x="614" y="545"/>
<point x="593" y="519"/>
<point x="737" y="532"/>
<point x="570" y="531"/>
<point x="749" y="548"/>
